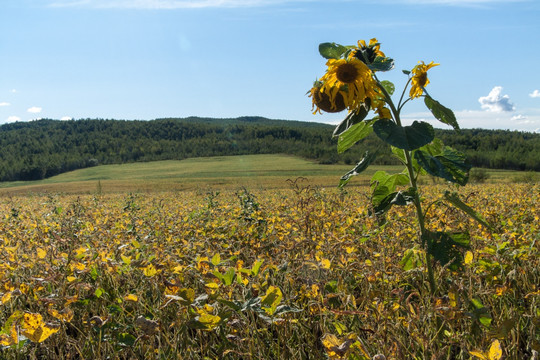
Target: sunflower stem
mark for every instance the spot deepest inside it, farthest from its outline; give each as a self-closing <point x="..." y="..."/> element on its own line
<point x="424" y="239"/>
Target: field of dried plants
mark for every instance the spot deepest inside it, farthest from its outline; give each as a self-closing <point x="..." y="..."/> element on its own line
<point x="297" y="273"/>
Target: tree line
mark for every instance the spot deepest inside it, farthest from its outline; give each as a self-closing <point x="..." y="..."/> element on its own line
<point x="44" y="148"/>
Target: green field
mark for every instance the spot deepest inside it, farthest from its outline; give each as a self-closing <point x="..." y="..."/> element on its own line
<point x="231" y="172"/>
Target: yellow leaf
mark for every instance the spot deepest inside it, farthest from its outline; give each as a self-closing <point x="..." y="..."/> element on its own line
<point x="65" y="315"/>
<point x="131" y="297"/>
<point x="31" y="321"/>
<point x="9" y="339"/>
<point x="126" y="259"/>
<point x="71" y="278"/>
<point x="325" y="263"/>
<point x="468" y="257"/>
<point x="209" y="321"/>
<point x="5" y="298"/>
<point x="41" y="253"/>
<point x="495" y="351"/>
<point x="42" y="333"/>
<point x="150" y="271"/>
<point x="35" y="329"/>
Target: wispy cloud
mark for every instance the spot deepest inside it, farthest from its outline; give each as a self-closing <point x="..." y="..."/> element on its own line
<point x="34" y="110"/>
<point x="66" y="118"/>
<point x="168" y="4"/>
<point x="4" y="104"/>
<point x="495" y="102"/>
<point x="535" y="94"/>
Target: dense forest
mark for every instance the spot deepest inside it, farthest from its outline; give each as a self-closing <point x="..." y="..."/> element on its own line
<point x="43" y="148"/>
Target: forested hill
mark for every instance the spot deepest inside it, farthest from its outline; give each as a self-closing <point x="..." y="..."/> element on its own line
<point x="43" y="148"/>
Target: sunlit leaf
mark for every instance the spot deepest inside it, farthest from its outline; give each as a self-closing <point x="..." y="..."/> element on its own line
<point x="331" y="50"/>
<point x="354" y="134"/>
<point x="441" y="113"/>
<point x="271" y="299"/>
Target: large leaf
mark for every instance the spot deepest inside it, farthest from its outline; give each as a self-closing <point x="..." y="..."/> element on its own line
<point x="441" y="113"/>
<point x="454" y="199"/>
<point x="382" y="64"/>
<point x="388" y="86"/>
<point x="446" y="248"/>
<point x="404" y="137"/>
<point x="400" y="198"/>
<point x="382" y="178"/>
<point x="361" y="166"/>
<point x="354" y="134"/>
<point x="331" y="50"/>
<point x="354" y="117"/>
<point x="449" y="164"/>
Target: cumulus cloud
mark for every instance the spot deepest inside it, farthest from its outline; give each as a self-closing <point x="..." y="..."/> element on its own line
<point x="495" y="102"/>
<point x="34" y="110"/>
<point x="4" y="104"/>
<point x="13" y="119"/>
<point x="535" y="94"/>
<point x="66" y="118"/>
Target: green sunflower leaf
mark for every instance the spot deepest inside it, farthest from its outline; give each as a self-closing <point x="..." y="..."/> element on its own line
<point x="441" y="113"/>
<point x="388" y="86"/>
<point x="449" y="164"/>
<point x="331" y="50"/>
<point x="446" y="248"/>
<point x="354" y="134"/>
<point x="361" y="166"/>
<point x="381" y="64"/>
<point x="454" y="199"/>
<point x="404" y="137"/>
<point x="354" y="117"/>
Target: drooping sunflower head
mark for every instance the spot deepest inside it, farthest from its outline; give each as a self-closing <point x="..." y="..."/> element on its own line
<point x="419" y="79"/>
<point x="350" y="78"/>
<point x="321" y="100"/>
<point x="368" y="53"/>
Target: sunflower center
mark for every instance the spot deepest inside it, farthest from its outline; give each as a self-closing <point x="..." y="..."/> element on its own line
<point x="422" y="79"/>
<point x="347" y="73"/>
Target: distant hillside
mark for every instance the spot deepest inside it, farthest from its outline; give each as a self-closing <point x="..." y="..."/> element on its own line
<point x="43" y="148"/>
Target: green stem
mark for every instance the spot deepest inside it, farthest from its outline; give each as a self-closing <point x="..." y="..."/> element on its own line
<point x="414" y="185"/>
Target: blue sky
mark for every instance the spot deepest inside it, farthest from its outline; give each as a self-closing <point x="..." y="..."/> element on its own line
<point x="146" y="59"/>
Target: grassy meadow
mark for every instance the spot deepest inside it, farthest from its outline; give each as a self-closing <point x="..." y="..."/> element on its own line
<point x="223" y="258"/>
<point x="218" y="173"/>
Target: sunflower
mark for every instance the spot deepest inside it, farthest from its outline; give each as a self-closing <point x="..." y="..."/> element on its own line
<point x="420" y="79"/>
<point x="368" y="53"/>
<point x="321" y="100"/>
<point x="351" y="79"/>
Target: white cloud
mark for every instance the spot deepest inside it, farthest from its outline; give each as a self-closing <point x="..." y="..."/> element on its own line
<point x="13" y="91"/>
<point x="495" y="102"/>
<point x="66" y="118"/>
<point x="13" y="119"/>
<point x="34" y="110"/>
<point x="4" y="104"/>
<point x="535" y="94"/>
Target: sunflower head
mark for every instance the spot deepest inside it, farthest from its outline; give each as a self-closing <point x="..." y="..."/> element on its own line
<point x="322" y="101"/>
<point x="419" y="79"/>
<point x="368" y="53"/>
<point x="350" y="78"/>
